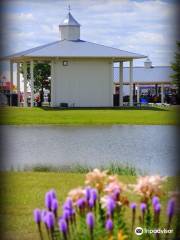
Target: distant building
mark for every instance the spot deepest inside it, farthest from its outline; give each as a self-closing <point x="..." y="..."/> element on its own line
<point x="149" y="80"/>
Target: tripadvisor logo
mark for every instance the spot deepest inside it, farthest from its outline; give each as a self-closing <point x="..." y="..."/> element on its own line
<point x="138" y="231"/>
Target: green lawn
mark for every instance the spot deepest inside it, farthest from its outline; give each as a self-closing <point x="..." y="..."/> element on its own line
<point x="21" y="192"/>
<point x="148" y="115"/>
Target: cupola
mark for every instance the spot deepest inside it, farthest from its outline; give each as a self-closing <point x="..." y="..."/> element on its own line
<point x="69" y="28"/>
<point x="148" y="63"/>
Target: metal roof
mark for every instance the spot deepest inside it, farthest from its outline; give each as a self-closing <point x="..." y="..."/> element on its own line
<point x="69" y="21"/>
<point x="146" y="75"/>
<point x="75" y="48"/>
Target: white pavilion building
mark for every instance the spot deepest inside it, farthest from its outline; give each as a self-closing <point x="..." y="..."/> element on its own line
<point x="81" y="71"/>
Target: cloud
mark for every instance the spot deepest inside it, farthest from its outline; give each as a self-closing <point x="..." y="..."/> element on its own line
<point x="21" y="17"/>
<point x="146" y="27"/>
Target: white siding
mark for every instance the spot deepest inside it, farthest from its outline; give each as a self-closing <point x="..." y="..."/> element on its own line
<point x="69" y="32"/>
<point x="84" y="83"/>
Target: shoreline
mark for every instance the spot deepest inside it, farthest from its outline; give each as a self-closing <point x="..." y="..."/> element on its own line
<point x="84" y="117"/>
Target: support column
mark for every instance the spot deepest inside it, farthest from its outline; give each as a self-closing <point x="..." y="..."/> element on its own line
<point x="131" y="83"/>
<point x="25" y="82"/>
<point x="11" y="82"/>
<point x="32" y="82"/>
<point x="156" y="89"/>
<point x="134" y="90"/>
<point x="120" y="84"/>
<point x="111" y="87"/>
<point x="162" y="93"/>
<point x="18" y="83"/>
<point x="138" y="96"/>
<point x="52" y="84"/>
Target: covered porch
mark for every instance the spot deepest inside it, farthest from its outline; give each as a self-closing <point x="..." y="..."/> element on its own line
<point x="159" y="90"/>
<point x="23" y="63"/>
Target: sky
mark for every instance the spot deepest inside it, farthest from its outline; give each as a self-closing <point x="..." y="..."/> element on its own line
<point x="141" y="26"/>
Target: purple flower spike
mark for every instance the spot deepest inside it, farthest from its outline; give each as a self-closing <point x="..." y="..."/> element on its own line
<point x="116" y="194"/>
<point x="87" y="193"/>
<point x="110" y="205"/>
<point x="143" y="207"/>
<point x="81" y="203"/>
<point x="68" y="204"/>
<point x="155" y="200"/>
<point x="91" y="202"/>
<point x="66" y="215"/>
<point x="63" y="226"/>
<point x="109" y="225"/>
<point x="50" y="221"/>
<point x="72" y="213"/>
<point x="37" y="216"/>
<point x="133" y="206"/>
<point x="55" y="206"/>
<point x="48" y="200"/>
<point x="90" y="220"/>
<point x="94" y="194"/>
<point x="157" y="208"/>
<point x="53" y="193"/>
<point x="43" y="215"/>
<point x="171" y="208"/>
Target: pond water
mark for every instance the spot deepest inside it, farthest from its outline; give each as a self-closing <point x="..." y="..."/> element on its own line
<point x="151" y="149"/>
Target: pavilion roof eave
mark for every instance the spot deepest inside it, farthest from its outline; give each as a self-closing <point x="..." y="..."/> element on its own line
<point x="124" y="59"/>
<point x="48" y="58"/>
<point x="145" y="83"/>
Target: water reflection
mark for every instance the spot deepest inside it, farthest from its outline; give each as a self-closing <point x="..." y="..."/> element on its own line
<point x="149" y="148"/>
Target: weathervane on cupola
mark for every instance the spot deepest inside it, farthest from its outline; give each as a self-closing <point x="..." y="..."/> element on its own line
<point x="69" y="28"/>
<point x="69" y="8"/>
